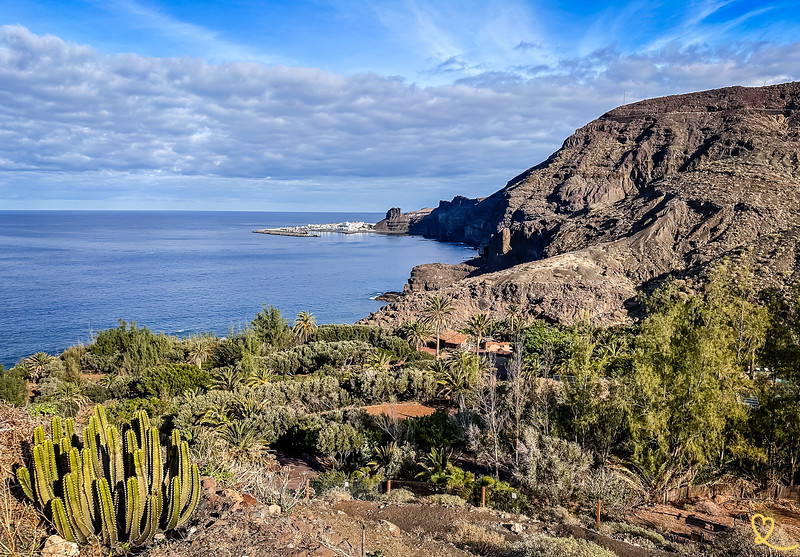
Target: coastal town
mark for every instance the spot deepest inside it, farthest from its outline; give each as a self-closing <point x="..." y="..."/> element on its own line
<point x="314" y="230"/>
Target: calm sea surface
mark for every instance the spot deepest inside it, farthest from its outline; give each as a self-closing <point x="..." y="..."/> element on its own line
<point x="65" y="275"/>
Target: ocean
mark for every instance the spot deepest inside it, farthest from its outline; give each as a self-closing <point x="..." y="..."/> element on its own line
<point x="65" y="275"/>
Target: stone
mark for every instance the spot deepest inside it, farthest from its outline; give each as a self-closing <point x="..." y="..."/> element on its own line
<point x="274" y="509"/>
<point x="393" y="528"/>
<point x="56" y="546"/>
<point x="516" y="527"/>
<point x="249" y="501"/>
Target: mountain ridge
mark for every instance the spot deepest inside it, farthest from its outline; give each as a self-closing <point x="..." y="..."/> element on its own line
<point x="659" y="187"/>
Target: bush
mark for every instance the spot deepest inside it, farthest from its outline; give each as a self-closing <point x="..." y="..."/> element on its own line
<point x="500" y="495"/>
<point x="477" y="539"/>
<point x="338" y="442"/>
<point x="271" y="328"/>
<point x="130" y="349"/>
<point x="544" y="546"/>
<point x="173" y="379"/>
<point x="326" y="481"/>
<point x="436" y="430"/>
<point x="400" y="495"/>
<point x="609" y="486"/>
<point x="13" y="387"/>
<point x="446" y="500"/>
<point x="403" y="384"/>
<point x="632" y="531"/>
<point x="551" y="468"/>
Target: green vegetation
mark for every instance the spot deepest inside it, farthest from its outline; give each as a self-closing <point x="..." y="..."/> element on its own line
<point x="705" y="386"/>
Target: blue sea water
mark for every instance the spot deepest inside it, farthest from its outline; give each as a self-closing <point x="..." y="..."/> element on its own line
<point x="65" y="275"/>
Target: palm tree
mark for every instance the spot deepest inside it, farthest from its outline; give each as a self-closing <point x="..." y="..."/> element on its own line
<point x="416" y="333"/>
<point x="477" y="326"/>
<point x="380" y="360"/>
<point x="438" y="312"/>
<point x="459" y="376"/>
<point x="37" y="364"/>
<point x="435" y="462"/>
<point x="226" y="379"/>
<point x="260" y="376"/>
<point x="514" y="319"/>
<point x="304" y="325"/>
<point x="200" y="350"/>
<point x="70" y="399"/>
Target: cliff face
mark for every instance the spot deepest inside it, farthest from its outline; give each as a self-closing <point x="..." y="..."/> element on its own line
<point x="659" y="186"/>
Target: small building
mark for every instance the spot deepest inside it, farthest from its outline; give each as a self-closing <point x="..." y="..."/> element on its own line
<point x="453" y="340"/>
<point x="498" y="348"/>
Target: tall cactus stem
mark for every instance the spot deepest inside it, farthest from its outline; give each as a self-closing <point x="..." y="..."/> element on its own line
<point x="194" y="485"/>
<point x="78" y="516"/>
<point x="44" y="489"/>
<point x="61" y="521"/>
<point x="174" y="501"/>
<point x="38" y="435"/>
<point x="108" y="519"/>
<point x="116" y="467"/>
<point x="24" y="477"/>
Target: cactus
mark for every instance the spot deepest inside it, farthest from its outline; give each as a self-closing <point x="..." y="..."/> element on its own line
<point x="114" y="485"/>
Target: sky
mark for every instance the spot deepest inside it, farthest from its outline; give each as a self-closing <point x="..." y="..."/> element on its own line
<point x="337" y="105"/>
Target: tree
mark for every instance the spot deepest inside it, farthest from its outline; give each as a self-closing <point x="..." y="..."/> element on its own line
<point x="13" y="387"/>
<point x="304" y="326"/>
<point x="200" y="349"/>
<point x="486" y="441"/>
<point x="513" y="319"/>
<point x="685" y="387"/>
<point x="459" y="376"/>
<point x="477" y="326"/>
<point x="416" y="333"/>
<point x="271" y="328"/>
<point x="438" y="313"/>
<point x="37" y="364"/>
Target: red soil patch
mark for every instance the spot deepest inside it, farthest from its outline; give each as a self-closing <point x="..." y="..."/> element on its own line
<point x="400" y="410"/>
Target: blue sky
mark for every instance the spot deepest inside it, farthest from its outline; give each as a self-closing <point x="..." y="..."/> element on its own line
<point x="336" y="105"/>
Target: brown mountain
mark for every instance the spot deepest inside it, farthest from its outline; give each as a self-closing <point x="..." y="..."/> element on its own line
<point x="662" y="186"/>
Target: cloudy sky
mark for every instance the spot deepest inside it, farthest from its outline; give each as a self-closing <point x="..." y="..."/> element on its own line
<point x="338" y="104"/>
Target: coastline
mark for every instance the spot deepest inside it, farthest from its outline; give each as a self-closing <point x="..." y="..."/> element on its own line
<point x="314" y="230"/>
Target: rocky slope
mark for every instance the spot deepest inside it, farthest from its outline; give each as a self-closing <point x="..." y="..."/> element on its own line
<point x="656" y="187"/>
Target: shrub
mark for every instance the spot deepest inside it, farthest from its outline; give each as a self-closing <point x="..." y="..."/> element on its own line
<point x="436" y="430"/>
<point x="633" y="531"/>
<point x="544" y="546"/>
<point x="130" y="349"/>
<point x="338" y="442"/>
<point x="500" y="495"/>
<point x="446" y="500"/>
<point x="609" y="486"/>
<point x="333" y="479"/>
<point x="551" y="468"/>
<point x="271" y="328"/>
<point x="13" y="387"/>
<point x="477" y="539"/>
<point x="400" y="495"/>
<point x="173" y="379"/>
<point x="73" y="358"/>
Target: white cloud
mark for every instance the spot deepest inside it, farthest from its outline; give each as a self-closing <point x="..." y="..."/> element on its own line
<point x="107" y="125"/>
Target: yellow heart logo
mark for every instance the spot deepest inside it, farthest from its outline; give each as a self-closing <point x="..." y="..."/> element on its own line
<point x="768" y="523"/>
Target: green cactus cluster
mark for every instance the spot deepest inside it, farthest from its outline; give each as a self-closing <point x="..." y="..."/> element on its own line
<point x="112" y="486"/>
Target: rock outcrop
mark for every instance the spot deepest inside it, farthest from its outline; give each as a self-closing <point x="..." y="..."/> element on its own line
<point x="662" y="186"/>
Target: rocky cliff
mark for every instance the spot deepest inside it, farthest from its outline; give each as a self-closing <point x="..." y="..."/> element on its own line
<point x="656" y="187"/>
